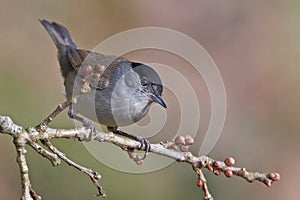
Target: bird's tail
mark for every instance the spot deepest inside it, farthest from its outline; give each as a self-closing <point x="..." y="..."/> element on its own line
<point x="59" y="34"/>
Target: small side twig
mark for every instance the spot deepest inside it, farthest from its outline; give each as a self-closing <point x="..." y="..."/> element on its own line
<point x="50" y="156"/>
<point x="202" y="183"/>
<point x="229" y="170"/>
<point x="94" y="176"/>
<point x="44" y="124"/>
<point x="34" y="195"/>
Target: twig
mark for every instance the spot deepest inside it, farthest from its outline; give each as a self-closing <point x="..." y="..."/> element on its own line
<point x="34" y="195"/>
<point x="202" y="183"/>
<point x="94" y="176"/>
<point x="43" y="125"/>
<point x="50" y="156"/>
<point x="227" y="168"/>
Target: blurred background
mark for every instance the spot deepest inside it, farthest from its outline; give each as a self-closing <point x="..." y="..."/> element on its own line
<point x="255" y="44"/>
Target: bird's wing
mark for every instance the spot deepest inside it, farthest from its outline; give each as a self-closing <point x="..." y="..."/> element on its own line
<point x="80" y="57"/>
<point x="76" y="57"/>
<point x="105" y="77"/>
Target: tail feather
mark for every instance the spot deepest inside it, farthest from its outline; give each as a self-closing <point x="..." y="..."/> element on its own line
<point x="59" y="34"/>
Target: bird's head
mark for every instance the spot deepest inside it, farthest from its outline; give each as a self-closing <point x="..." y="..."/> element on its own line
<point x="151" y="83"/>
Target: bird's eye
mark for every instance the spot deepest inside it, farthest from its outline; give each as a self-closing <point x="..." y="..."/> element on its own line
<point x="144" y="81"/>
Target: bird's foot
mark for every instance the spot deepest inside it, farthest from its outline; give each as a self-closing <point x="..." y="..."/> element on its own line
<point x="89" y="125"/>
<point x="86" y="123"/>
<point x="145" y="144"/>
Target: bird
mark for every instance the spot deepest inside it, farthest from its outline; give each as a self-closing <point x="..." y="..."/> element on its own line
<point x="107" y="89"/>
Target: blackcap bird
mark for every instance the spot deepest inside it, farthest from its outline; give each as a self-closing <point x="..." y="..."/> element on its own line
<point x="108" y="89"/>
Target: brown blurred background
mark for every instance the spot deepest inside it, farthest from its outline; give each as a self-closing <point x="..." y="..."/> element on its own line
<point x="256" y="45"/>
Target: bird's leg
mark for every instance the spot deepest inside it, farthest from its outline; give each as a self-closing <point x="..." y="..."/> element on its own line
<point x="144" y="142"/>
<point x="86" y="123"/>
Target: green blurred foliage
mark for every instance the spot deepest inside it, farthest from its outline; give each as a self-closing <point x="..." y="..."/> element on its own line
<point x="255" y="45"/>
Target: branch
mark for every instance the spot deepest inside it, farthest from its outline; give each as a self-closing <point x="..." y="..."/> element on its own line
<point x="177" y="150"/>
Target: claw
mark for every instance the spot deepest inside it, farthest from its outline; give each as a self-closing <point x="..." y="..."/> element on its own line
<point x="145" y="144"/>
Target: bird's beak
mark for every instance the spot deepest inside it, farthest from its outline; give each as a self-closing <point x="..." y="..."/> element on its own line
<point x="158" y="100"/>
